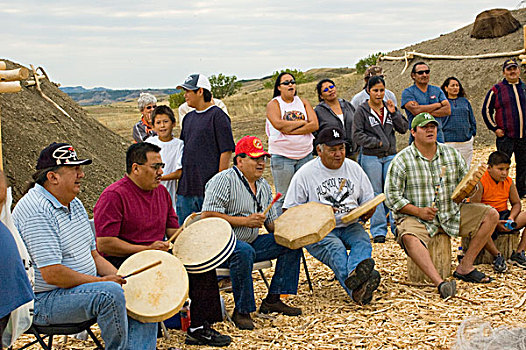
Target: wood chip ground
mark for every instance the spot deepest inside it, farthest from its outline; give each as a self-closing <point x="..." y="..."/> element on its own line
<point x="402" y="315"/>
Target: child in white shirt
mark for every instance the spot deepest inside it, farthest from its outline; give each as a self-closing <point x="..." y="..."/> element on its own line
<point x="163" y="121"/>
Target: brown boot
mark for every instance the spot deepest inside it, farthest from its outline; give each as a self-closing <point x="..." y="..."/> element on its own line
<point x="364" y="293"/>
<point x="242" y="321"/>
<point x="279" y="307"/>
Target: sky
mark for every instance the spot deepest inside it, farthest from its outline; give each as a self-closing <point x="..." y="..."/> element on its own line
<point x="156" y="44"/>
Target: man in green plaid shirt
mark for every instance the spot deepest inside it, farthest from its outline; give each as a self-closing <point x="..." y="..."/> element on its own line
<point x="418" y="190"/>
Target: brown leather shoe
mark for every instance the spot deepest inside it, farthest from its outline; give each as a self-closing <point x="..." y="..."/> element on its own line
<point x="242" y="321"/>
<point x="279" y="307"/>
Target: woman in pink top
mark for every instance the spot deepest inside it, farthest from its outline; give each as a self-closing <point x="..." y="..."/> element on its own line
<point x="290" y="123"/>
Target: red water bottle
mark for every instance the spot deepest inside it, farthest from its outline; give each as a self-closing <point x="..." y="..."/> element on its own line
<point x="185" y="316"/>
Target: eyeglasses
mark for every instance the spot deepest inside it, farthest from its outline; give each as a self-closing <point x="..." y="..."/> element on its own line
<point x="150" y="107"/>
<point x="288" y="82"/>
<point x="155" y="166"/>
<point x="421" y="72"/>
<point x="328" y="88"/>
<point x="262" y="159"/>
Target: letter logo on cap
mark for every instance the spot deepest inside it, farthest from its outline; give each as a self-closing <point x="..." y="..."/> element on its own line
<point x="335" y="133"/>
<point x="257" y="144"/>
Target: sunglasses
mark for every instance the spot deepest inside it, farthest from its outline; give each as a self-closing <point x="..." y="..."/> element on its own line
<point x="420" y="72"/>
<point x="288" y="82"/>
<point x="328" y="88"/>
<point x="150" y="107"/>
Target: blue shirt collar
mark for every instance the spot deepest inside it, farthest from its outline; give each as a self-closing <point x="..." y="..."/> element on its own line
<point x="40" y="189"/>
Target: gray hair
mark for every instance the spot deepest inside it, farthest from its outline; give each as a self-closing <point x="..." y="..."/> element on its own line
<point x="145" y="99"/>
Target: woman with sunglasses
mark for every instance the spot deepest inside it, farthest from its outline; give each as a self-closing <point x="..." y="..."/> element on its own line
<point x="460" y="127"/>
<point x="375" y="123"/>
<point x="334" y="112"/>
<point x="143" y="129"/>
<point x="289" y="126"/>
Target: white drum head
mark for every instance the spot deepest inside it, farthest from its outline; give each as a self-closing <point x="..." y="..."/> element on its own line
<point x="158" y="293"/>
<point x="203" y="242"/>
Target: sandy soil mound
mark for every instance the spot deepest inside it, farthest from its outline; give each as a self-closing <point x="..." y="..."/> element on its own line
<point x="477" y="75"/>
<point x="29" y="123"/>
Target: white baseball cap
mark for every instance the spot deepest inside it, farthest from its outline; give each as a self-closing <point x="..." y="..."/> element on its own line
<point x="196" y="81"/>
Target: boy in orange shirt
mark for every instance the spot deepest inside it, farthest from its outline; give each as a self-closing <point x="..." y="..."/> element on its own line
<point x="496" y="190"/>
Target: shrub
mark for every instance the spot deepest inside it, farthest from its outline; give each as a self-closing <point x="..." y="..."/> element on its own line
<point x="223" y="85"/>
<point x="365" y="63"/>
<point x="299" y="76"/>
<point x="176" y="100"/>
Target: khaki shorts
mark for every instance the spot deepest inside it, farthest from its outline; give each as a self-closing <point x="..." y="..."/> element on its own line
<point x="471" y="216"/>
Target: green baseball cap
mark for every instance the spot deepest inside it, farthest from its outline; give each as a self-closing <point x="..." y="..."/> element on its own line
<point x="423" y="119"/>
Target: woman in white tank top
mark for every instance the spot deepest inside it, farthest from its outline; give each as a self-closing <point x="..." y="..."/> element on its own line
<point x="289" y="126"/>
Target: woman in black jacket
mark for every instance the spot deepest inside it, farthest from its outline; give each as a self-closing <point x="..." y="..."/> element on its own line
<point x="375" y="123"/>
<point x="334" y="112"/>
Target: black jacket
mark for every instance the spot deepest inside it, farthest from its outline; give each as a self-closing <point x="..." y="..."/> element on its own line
<point x="328" y="119"/>
<point x="368" y="131"/>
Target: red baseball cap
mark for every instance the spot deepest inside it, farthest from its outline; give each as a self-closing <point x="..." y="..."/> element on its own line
<point x="251" y="146"/>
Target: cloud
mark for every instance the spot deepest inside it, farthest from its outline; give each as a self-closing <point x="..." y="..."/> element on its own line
<point x="155" y="44"/>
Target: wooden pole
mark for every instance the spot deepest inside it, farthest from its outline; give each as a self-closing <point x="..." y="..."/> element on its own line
<point x="14" y="74"/>
<point x="10" y="86"/>
<point x="45" y="97"/>
<point x="2" y="65"/>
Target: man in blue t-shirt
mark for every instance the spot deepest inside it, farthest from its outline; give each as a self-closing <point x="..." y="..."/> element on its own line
<point x="208" y="144"/>
<point x="423" y="97"/>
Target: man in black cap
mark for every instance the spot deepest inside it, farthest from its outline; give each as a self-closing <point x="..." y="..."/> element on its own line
<point x="341" y="183"/>
<point x="73" y="283"/>
<point x="504" y="112"/>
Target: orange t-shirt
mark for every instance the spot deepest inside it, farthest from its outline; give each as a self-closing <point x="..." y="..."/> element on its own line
<point x="495" y="193"/>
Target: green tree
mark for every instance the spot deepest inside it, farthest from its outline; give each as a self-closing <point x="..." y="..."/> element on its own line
<point x="365" y="63"/>
<point x="299" y="76"/>
<point x="223" y="85"/>
<point x="176" y="100"/>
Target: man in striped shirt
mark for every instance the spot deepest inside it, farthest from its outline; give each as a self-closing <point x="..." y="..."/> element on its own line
<point x="239" y="195"/>
<point x="504" y="112"/>
<point x="73" y="283"/>
<point x="419" y="194"/>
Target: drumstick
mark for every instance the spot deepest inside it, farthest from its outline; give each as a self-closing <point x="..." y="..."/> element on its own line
<point x="437" y="187"/>
<point x="142" y="269"/>
<point x="174" y="236"/>
<point x="278" y="196"/>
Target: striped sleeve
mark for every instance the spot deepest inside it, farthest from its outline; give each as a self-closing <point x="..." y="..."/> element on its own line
<point x="217" y="194"/>
<point x="488" y="110"/>
<point x="42" y="240"/>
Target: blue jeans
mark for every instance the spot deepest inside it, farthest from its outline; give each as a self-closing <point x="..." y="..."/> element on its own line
<point x="187" y="205"/>
<point x="103" y="300"/>
<point x="332" y="250"/>
<point x="283" y="169"/>
<point x="376" y="170"/>
<point x="240" y="263"/>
